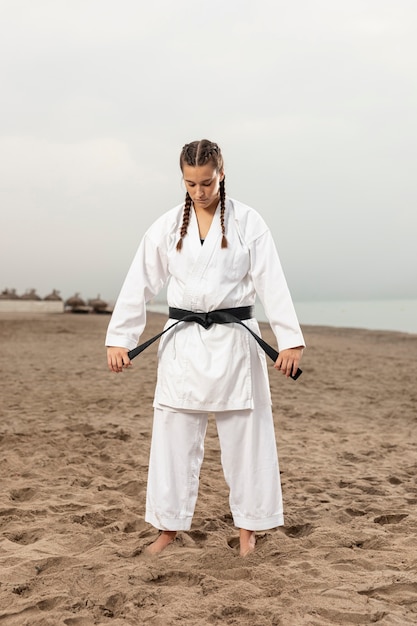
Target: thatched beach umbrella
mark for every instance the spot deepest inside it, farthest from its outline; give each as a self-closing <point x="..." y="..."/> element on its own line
<point x="54" y="296"/>
<point x="9" y="294"/>
<point x="97" y="304"/>
<point x="30" y="295"/>
<point x="75" y="301"/>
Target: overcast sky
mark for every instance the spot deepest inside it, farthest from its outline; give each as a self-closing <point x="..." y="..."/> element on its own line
<point x="313" y="102"/>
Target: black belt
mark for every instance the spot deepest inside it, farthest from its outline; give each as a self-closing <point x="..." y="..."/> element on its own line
<point x="221" y="316"/>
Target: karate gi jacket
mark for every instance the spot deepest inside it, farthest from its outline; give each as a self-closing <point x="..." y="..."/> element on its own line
<point x="220" y="368"/>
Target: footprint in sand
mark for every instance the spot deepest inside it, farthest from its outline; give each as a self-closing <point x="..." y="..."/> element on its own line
<point x="233" y="614"/>
<point x="233" y="543"/>
<point x="100" y="519"/>
<point x="394" y="480"/>
<point x="113" y="606"/>
<point x="390" y="519"/>
<point x="26" y="538"/>
<point x="298" y="530"/>
<point x="355" y="512"/>
<point x="22" y="495"/>
<point x="173" y="577"/>
<point x="399" y="593"/>
<point x="199" y="537"/>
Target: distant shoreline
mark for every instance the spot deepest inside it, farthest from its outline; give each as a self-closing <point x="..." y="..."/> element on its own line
<point x="384" y="315"/>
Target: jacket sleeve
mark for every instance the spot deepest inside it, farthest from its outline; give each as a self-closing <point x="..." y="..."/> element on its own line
<point x="272" y="289"/>
<point x="145" y="278"/>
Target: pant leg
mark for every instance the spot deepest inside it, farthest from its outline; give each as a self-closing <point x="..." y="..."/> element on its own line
<point x="177" y="452"/>
<point x="250" y="464"/>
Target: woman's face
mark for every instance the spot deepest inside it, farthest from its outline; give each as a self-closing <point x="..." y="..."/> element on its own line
<point x="202" y="183"/>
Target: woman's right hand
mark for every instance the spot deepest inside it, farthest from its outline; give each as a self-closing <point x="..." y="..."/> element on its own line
<point x="117" y="359"/>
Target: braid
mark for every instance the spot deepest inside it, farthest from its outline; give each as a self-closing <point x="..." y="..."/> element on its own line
<point x="222" y="210"/>
<point x="200" y="153"/>
<point x="185" y="220"/>
<point x="195" y="154"/>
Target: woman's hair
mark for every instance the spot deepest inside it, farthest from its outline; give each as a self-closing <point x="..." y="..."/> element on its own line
<point x="200" y="153"/>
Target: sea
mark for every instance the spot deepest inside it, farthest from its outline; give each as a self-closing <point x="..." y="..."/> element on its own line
<point x="391" y="315"/>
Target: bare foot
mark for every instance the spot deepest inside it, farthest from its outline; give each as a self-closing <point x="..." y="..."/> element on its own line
<point x="247" y="541"/>
<point x="165" y="538"/>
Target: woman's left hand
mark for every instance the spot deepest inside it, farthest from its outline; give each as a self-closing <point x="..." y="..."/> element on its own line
<point x="288" y="360"/>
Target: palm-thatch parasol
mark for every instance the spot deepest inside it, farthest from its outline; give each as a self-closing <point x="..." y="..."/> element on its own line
<point x="30" y="295"/>
<point x="97" y="304"/>
<point x="75" y="302"/>
<point x="54" y="296"/>
<point x="9" y="294"/>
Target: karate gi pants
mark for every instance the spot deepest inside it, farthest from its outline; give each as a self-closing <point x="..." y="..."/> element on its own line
<point x="249" y="459"/>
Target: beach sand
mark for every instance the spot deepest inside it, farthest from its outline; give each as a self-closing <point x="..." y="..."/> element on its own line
<point x="73" y="464"/>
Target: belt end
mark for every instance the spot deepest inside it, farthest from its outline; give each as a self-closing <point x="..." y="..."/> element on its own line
<point x="297" y="374"/>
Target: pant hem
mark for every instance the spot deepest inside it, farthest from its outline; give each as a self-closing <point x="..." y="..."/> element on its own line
<point x="259" y="524"/>
<point x="168" y="523"/>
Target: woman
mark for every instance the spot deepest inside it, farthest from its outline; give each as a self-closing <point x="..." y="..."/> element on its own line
<point x="213" y="253"/>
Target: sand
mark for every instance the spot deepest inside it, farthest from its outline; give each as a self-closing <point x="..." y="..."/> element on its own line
<point x="74" y="450"/>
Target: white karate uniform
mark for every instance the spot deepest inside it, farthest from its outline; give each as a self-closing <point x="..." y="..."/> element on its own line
<point x="221" y="369"/>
